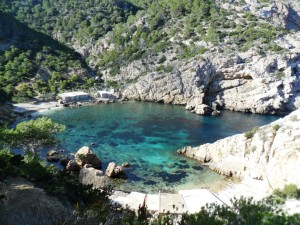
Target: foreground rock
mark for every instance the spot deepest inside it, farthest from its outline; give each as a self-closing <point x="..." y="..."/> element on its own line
<point x="270" y="153"/>
<point x="22" y="203"/>
<point x="94" y="177"/>
<point x="86" y="156"/>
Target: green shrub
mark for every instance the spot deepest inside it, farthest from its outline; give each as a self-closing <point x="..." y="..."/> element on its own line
<point x="162" y="59"/>
<point x="33" y="171"/>
<point x="250" y="134"/>
<point x="5" y="157"/>
<point x="276" y="127"/>
<point x="291" y="190"/>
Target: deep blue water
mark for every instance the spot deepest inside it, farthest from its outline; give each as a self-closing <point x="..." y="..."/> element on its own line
<point x="147" y="136"/>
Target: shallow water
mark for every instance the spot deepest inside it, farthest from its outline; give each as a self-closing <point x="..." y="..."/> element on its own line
<point x="147" y="136"/>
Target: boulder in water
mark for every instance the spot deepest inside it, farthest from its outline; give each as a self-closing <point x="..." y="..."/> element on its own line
<point x="115" y="171"/>
<point x="86" y="156"/>
<point x="126" y="164"/>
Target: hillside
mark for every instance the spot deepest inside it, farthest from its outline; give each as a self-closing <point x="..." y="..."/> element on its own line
<point x="32" y="63"/>
<point x="217" y="53"/>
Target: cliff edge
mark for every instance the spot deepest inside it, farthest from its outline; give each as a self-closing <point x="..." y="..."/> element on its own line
<point x="269" y="153"/>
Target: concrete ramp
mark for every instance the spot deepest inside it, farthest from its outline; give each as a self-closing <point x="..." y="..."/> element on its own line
<point x="152" y="202"/>
<point x="132" y="200"/>
<point x="172" y="203"/>
<point x="198" y="198"/>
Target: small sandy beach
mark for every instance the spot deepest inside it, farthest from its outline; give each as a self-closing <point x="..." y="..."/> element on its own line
<point x="35" y="106"/>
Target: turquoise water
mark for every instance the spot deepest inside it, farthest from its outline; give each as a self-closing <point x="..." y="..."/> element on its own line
<point x="147" y="136"/>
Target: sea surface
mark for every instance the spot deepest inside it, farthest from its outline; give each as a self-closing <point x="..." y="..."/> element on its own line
<point x="147" y="136"/>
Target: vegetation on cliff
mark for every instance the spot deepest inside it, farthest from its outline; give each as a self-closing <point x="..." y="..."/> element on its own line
<point x="32" y="63"/>
<point x="120" y="32"/>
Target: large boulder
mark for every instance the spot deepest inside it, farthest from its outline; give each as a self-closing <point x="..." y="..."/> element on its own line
<point x="114" y="171"/>
<point x="205" y="110"/>
<point x="94" y="177"/>
<point x="72" y="166"/>
<point x="86" y="156"/>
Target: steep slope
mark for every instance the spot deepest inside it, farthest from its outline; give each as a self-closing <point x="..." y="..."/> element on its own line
<point x="238" y="55"/>
<point x="253" y="66"/>
<point x="269" y="153"/>
<point x="32" y="63"/>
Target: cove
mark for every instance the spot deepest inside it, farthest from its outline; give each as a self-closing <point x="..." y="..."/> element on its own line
<point x="147" y="136"/>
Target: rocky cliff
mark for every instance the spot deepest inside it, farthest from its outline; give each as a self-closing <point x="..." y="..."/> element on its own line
<point x="254" y="80"/>
<point x="270" y="153"/>
<point x="244" y="82"/>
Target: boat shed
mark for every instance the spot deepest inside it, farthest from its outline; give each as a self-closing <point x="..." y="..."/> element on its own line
<point x="74" y="96"/>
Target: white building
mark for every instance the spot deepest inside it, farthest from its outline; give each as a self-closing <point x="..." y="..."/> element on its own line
<point x="74" y="96"/>
<point x="105" y="94"/>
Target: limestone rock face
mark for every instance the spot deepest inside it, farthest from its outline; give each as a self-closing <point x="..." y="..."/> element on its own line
<point x="271" y="154"/>
<point x="263" y="84"/>
<point x="94" y="177"/>
<point x="86" y="156"/>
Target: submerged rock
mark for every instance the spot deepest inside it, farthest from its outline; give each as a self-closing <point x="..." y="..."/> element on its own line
<point x="126" y="164"/>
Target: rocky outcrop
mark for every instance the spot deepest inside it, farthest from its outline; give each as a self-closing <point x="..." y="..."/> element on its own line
<point x="245" y="82"/>
<point x="86" y="156"/>
<point x="94" y="177"/>
<point x="205" y="110"/>
<point x="270" y="153"/>
<point x="22" y="203"/>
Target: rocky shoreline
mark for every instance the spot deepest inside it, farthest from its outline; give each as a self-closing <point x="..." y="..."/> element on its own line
<point x="269" y="153"/>
<point x="257" y="158"/>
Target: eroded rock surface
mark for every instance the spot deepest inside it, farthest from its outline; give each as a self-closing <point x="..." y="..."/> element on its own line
<point x="270" y="153"/>
<point x="22" y="203"/>
<point x="243" y="82"/>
